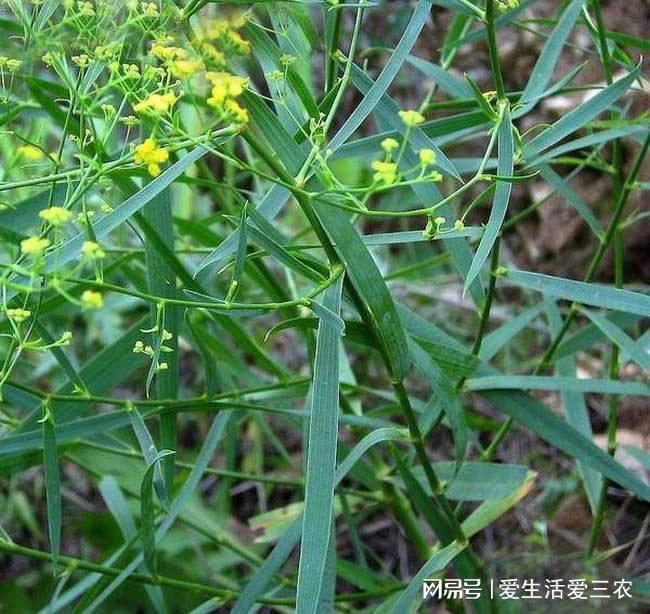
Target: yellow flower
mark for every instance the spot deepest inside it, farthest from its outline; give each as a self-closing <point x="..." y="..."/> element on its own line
<point x="389" y="145"/>
<point x="33" y="246"/>
<point x="385" y="172"/>
<point x="131" y="71"/>
<point x="30" y="152"/>
<point x="18" y="314"/>
<point x="224" y="85"/>
<point x="241" y="45"/>
<point x="156" y="103"/>
<point x="150" y="154"/>
<point x="91" y="299"/>
<point x="239" y="114"/>
<point x="185" y="68"/>
<point x="458" y="225"/>
<point x="411" y="118"/>
<point x="225" y="32"/>
<point x="212" y="53"/>
<point x="56" y="216"/>
<point x="427" y="157"/>
<point x="505" y="5"/>
<point x="163" y="52"/>
<point x="92" y="250"/>
<point x="149" y="9"/>
<point x="81" y="60"/>
<point x="10" y="63"/>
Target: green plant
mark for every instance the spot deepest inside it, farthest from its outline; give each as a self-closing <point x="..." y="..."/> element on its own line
<point x="191" y="287"/>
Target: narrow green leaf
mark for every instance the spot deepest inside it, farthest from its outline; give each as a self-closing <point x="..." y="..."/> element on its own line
<point x="370" y="286"/>
<point x="321" y="458"/>
<point x="117" y="504"/>
<point x="148" y="512"/>
<point x="577" y="414"/>
<point x="443" y="388"/>
<point x="499" y="338"/>
<point x="269" y="207"/>
<point x="591" y="334"/>
<point x="52" y="483"/>
<point x="597" y="295"/>
<point x="553" y="429"/>
<point x="149" y="451"/>
<point x="545" y="65"/>
<point x="385" y="78"/>
<point x="450" y="84"/>
<point x="437" y="562"/>
<point x="475" y="481"/>
<point x="161" y="281"/>
<point x="592" y="140"/>
<point x="543" y="382"/>
<point x="204" y="457"/>
<point x="71" y="248"/>
<point x="486" y="513"/>
<point x="564" y="190"/>
<point x="501" y="198"/>
<point x="274" y="561"/>
<point x="620" y="338"/>
<point x="577" y="118"/>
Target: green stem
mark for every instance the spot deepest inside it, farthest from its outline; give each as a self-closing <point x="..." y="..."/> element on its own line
<point x="487" y="305"/>
<point x="494" y="50"/>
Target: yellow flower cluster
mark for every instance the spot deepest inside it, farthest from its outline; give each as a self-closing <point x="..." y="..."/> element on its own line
<point x="163" y="52"/>
<point x="389" y="145"/>
<point x="212" y="54"/>
<point x="411" y="118"/>
<point x="149" y="9"/>
<point x="506" y="5"/>
<point x="386" y="172"/>
<point x="91" y="299"/>
<point x="156" y="103"/>
<point x="57" y="216"/>
<point x="178" y="60"/>
<point x="18" y="314"/>
<point x="225" y="33"/>
<point x="225" y="89"/>
<point x="150" y="154"/>
<point x="92" y="250"/>
<point x="427" y="157"/>
<point x="181" y="69"/>
<point x="33" y="246"/>
<point x="30" y="152"/>
<point x="11" y="64"/>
